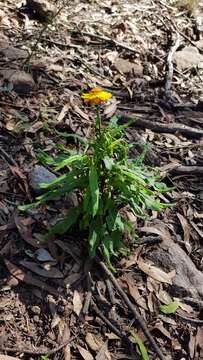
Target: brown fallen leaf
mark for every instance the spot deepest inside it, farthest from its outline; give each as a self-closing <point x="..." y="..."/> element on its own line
<point x="186" y="231"/>
<point x="23" y="226"/>
<point x="52" y="273"/>
<point x="93" y="342"/>
<point x="77" y="303"/>
<point x="84" y="353"/>
<point x="199" y="342"/>
<point x="163" y="296"/>
<point x="63" y="113"/>
<point x="71" y="279"/>
<point x="155" y="272"/>
<point x="70" y="250"/>
<point x="23" y="179"/>
<point x="159" y="326"/>
<point x="191" y="345"/>
<point x="78" y="110"/>
<point x="134" y="292"/>
<point x="111" y="108"/>
<point x="67" y="352"/>
<point x="163" y="232"/>
<point x="103" y="353"/>
<point x="28" y="279"/>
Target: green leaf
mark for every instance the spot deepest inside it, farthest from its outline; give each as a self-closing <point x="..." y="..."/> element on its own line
<point x="94" y="236"/>
<point x="94" y="189"/>
<point x="53" y="183"/>
<point x="44" y="158"/>
<point x="28" y="206"/>
<point x="64" y="225"/>
<point x="161" y="187"/>
<point x="106" y="246"/>
<point x="70" y="160"/>
<point x="170" y="308"/>
<point x="67" y="188"/>
<point x="74" y="136"/>
<point x="114" y="220"/>
<point x="113" y="121"/>
<point x="108" y="162"/>
<point x="131" y="175"/>
<point x="143" y="351"/>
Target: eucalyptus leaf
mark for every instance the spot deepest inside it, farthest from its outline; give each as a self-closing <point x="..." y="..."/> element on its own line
<point x="170" y="308"/>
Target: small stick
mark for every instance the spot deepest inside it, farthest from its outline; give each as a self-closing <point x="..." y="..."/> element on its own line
<point x="88" y="295"/>
<point x="106" y="38"/>
<point x="7" y="157"/>
<point x="162" y="127"/>
<point x="108" y="322"/>
<point x="37" y="351"/>
<point x="110" y="290"/>
<point x="183" y="35"/>
<point x="169" y="75"/>
<point x="132" y="308"/>
<point x="181" y="170"/>
<point x="191" y="320"/>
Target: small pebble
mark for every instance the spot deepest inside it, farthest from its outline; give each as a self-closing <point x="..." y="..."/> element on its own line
<point x="36" y="310"/>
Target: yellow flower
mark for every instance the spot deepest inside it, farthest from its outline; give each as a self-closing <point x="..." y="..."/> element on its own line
<point x="96" y="96"/>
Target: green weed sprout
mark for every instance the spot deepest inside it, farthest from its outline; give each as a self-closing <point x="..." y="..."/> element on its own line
<point x="107" y="181"/>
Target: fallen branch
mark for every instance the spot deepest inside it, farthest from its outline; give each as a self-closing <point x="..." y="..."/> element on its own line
<point x="169" y="74"/>
<point x="132" y="308"/>
<point x="48" y="352"/>
<point x="191" y="170"/>
<point x="7" y="157"/>
<point x="161" y="127"/>
<point x="109" y="323"/>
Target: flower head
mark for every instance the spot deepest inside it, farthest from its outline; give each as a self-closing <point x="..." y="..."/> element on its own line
<point x="96" y="96"/>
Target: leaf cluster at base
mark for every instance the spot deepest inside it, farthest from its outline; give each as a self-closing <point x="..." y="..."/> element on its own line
<point x="108" y="181"/>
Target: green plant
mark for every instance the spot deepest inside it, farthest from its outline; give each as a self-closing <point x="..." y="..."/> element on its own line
<point x="108" y="181"/>
<point x="142" y="349"/>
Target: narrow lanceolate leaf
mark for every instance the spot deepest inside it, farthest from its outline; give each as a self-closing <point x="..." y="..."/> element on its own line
<point x="143" y="351"/>
<point x="93" y="242"/>
<point x="64" y="225"/>
<point x="94" y="189"/>
<point x="170" y="308"/>
<point x="69" y="161"/>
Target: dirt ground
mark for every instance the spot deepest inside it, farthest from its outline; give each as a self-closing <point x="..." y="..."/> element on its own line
<point x="149" y="54"/>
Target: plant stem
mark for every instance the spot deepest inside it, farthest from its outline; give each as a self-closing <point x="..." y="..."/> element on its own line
<point x="98" y="121"/>
<point x="45" y="27"/>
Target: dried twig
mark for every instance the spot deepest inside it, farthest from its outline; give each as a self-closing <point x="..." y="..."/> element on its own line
<point x="132" y="308"/>
<point x="88" y="294"/>
<point x="161" y="127"/>
<point x="192" y="170"/>
<point x="190" y="320"/>
<point x="109" y="323"/>
<point x="36" y="351"/>
<point x="106" y="39"/>
<point x="169" y="74"/>
<point x="7" y="157"/>
<point x="183" y="35"/>
<point x="111" y="291"/>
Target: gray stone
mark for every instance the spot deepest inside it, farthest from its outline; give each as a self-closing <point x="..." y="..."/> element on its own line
<point x="20" y="81"/>
<point x="40" y="175"/>
<point x="125" y="67"/>
<point x="188" y="58"/>
<point x="8" y="52"/>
